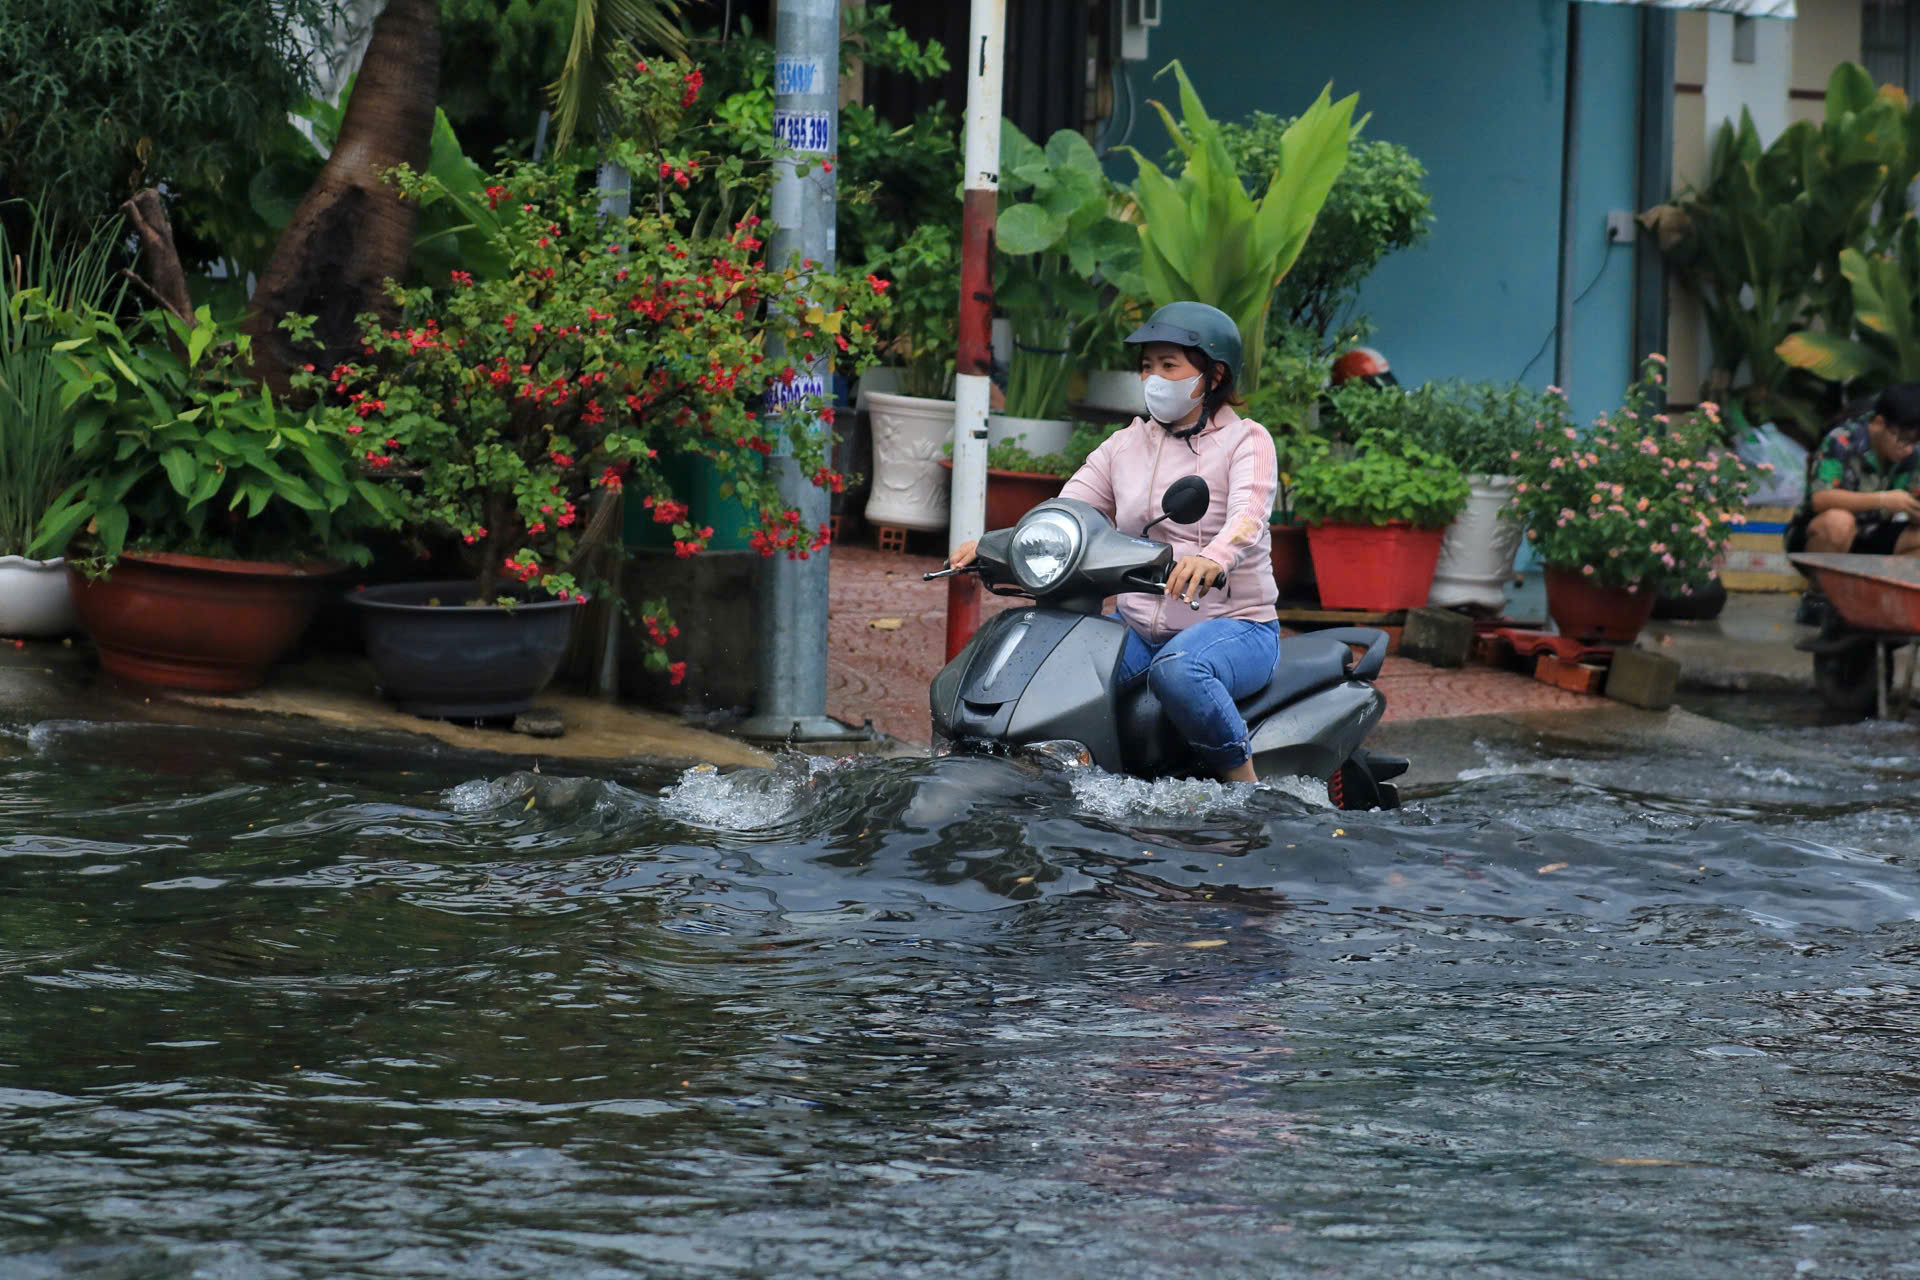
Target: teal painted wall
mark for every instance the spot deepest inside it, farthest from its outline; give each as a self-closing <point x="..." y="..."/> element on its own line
<point x="1476" y="91"/>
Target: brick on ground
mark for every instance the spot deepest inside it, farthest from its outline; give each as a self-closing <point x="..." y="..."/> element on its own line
<point x="1575" y="677"/>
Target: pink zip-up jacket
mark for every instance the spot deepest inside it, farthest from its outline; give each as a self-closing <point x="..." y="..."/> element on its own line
<point x="1124" y="479"/>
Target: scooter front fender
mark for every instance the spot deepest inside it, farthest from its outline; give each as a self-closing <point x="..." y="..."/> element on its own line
<point x="1033" y="675"/>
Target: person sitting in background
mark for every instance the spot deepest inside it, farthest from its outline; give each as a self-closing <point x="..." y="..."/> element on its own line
<point x="1861" y="497"/>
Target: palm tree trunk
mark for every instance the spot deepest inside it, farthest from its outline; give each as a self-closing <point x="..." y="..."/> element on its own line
<point x="353" y="232"/>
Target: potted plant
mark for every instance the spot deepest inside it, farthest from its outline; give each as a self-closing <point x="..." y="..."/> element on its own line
<point x="1287" y="404"/>
<point x="206" y="515"/>
<point x="1639" y="504"/>
<point x="36" y="427"/>
<point x="1018" y="480"/>
<point x="911" y="425"/>
<point x="1102" y="345"/>
<point x="1478" y="425"/>
<point x="1376" y="508"/>
<point x="509" y="408"/>
<point x="1057" y="236"/>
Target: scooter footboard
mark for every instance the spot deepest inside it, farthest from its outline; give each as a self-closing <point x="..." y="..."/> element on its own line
<point x="1315" y="735"/>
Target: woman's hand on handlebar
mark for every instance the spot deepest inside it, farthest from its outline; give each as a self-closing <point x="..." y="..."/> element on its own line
<point x="964" y="554"/>
<point x="1192" y="577"/>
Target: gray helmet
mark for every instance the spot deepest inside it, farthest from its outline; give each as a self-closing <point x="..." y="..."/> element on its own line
<point x="1194" y="324"/>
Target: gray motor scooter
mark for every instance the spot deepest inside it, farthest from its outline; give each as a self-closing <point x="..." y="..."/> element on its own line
<point x="1046" y="674"/>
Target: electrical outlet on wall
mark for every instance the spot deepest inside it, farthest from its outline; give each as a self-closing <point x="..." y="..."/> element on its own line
<point x="1619" y="226"/>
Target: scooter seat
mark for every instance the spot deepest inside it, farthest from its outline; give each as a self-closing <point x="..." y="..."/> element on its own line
<point x="1152" y="747"/>
<point x="1305" y="663"/>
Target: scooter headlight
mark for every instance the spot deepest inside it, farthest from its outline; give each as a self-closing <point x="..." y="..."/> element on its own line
<point x="1045" y="547"/>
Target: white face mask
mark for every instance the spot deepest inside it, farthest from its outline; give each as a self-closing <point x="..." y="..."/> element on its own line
<point x="1169" y="400"/>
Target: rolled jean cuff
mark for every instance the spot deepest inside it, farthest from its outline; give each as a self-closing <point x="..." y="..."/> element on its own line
<point x="1222" y="759"/>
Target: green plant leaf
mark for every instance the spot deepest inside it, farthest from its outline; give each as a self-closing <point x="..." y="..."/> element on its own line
<point x="180" y="470"/>
<point x="1027" y="228"/>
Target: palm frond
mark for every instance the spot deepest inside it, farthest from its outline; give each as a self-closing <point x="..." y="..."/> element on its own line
<point x="603" y="30"/>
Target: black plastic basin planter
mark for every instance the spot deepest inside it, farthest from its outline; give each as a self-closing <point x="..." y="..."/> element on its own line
<point x="455" y="661"/>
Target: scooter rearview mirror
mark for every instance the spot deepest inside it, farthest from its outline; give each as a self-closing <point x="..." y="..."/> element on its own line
<point x="1186" y="499"/>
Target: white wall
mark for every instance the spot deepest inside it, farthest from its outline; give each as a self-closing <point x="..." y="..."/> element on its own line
<point x="1760" y="86"/>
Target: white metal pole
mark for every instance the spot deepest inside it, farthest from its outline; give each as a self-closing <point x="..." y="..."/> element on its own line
<point x="973" y="386"/>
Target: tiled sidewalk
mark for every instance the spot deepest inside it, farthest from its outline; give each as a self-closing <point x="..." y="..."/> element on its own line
<point x="880" y="673"/>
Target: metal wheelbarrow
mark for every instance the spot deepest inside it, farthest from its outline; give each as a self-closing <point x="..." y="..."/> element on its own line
<point x="1878" y="600"/>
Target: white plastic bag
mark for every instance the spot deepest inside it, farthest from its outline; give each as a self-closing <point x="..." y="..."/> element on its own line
<point x="1786" y="485"/>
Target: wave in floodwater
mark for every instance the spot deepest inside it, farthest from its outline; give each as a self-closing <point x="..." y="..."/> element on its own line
<point x="278" y="1008"/>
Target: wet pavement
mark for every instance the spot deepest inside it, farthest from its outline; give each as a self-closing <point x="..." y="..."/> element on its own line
<point x="887" y="636"/>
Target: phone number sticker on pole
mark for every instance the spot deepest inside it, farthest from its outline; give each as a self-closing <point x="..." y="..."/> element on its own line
<point x="798" y="75"/>
<point x="810" y="131"/>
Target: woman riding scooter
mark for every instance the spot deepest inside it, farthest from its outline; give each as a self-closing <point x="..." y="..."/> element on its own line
<point x="1199" y="649"/>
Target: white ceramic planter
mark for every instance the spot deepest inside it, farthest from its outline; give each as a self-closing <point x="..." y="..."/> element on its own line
<point x="910" y="435"/>
<point x="884" y="378"/>
<point x="34" y="600"/>
<point x="1476" y="558"/>
<point x="1116" y="390"/>
<point x="1038" y="435"/>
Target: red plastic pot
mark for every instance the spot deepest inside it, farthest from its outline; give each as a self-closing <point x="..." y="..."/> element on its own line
<point x="190" y="622"/>
<point x="1011" y="494"/>
<point x="1378" y="568"/>
<point x="1290" y="557"/>
<point x="1595" y="614"/>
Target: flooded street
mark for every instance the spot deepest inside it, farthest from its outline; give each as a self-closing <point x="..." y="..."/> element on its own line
<point x="269" y="1008"/>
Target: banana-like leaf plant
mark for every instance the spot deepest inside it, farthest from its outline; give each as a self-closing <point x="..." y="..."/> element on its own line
<point x="1202" y="237"/>
<point x="1885" y="346"/>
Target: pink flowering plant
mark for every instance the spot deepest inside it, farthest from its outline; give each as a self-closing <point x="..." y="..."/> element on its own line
<point x="507" y="409"/>
<point x="1638" y="498"/>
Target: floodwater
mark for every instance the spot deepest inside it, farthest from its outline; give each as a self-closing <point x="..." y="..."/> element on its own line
<point x="272" y="1009"/>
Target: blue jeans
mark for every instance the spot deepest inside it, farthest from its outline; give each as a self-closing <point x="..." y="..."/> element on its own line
<point x="1197" y="674"/>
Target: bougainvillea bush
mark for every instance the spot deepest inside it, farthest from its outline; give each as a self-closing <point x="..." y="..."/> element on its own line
<point x="1640" y="497"/>
<point x="503" y="409"/>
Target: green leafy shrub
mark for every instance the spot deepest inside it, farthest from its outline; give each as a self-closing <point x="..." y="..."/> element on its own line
<point x="1479" y="424"/>
<point x="98" y="98"/>
<point x="36" y="419"/>
<point x="1377" y="206"/>
<point x="1293" y="376"/>
<point x="1381" y="477"/>
<point x="1204" y="238"/>
<point x="610" y="346"/>
<point x="178" y="450"/>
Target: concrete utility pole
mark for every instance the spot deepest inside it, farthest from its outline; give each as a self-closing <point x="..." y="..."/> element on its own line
<point x="793" y="593"/>
<point x="973" y="368"/>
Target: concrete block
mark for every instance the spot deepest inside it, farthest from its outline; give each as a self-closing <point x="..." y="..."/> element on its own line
<point x="1575" y="677"/>
<point x="1643" y="679"/>
<point x="1437" y="637"/>
<point x="715" y="600"/>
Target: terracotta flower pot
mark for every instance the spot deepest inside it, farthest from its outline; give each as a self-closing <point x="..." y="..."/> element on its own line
<point x="442" y="659"/>
<point x="1378" y="568"/>
<point x="1596" y="614"/>
<point x="1290" y="556"/>
<point x="190" y="622"/>
<point x="1011" y="494"/>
